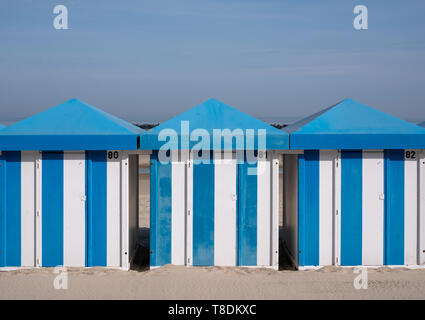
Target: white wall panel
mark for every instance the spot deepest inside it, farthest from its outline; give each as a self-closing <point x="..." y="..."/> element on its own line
<point x="373" y="208"/>
<point x="178" y="209"/>
<point x="275" y="158"/>
<point x="337" y="209"/>
<point x="125" y="212"/>
<point x="326" y="207"/>
<point x="422" y="208"/>
<point x="189" y="211"/>
<point x="113" y="216"/>
<point x="264" y="212"/>
<point x="224" y="209"/>
<point x="74" y="209"/>
<point x="28" y="210"/>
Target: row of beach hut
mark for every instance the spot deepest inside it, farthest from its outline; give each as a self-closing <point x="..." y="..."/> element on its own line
<point x="353" y="189"/>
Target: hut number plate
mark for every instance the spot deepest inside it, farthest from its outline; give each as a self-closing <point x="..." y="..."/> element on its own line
<point x="410" y="154"/>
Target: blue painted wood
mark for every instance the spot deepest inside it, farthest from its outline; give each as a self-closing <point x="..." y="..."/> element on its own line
<point x="13" y="209"/>
<point x="160" y="191"/>
<point x="97" y="208"/>
<point x="52" y="209"/>
<point x="308" y="208"/>
<point x="73" y="125"/>
<point x="352" y="125"/>
<point x="212" y="115"/>
<point x="351" y="207"/>
<point x="203" y="213"/>
<point x="394" y="208"/>
<point x="247" y="214"/>
<point x="2" y="210"/>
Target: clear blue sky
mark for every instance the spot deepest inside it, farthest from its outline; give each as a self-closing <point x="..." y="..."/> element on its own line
<point x="151" y="60"/>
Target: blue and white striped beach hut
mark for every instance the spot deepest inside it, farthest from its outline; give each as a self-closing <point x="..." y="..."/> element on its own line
<point x="355" y="197"/>
<point x="68" y="189"/>
<point x="214" y="198"/>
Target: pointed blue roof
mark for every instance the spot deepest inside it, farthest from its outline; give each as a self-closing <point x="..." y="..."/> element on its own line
<point x="73" y="125"/>
<point x="214" y="115"/>
<point x="352" y="125"/>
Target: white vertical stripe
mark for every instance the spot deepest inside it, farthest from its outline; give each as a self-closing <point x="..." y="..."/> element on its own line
<point x="337" y="213"/>
<point x="113" y="216"/>
<point x="373" y="208"/>
<point x="275" y="208"/>
<point x="124" y="214"/>
<point x="74" y="227"/>
<point x="178" y="172"/>
<point x="326" y="211"/>
<point x="189" y="220"/>
<point x="28" y="209"/>
<point x="38" y="206"/>
<point x="411" y="210"/>
<point x="422" y="208"/>
<point x="264" y="222"/>
<point x="224" y="209"/>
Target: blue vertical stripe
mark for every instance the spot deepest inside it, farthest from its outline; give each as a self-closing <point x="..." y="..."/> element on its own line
<point x="203" y="213"/>
<point x="13" y="209"/>
<point x="2" y="210"/>
<point x="351" y="207"/>
<point x="52" y="209"/>
<point x="160" y="231"/>
<point x="86" y="208"/>
<point x="97" y="208"/>
<point x="394" y="207"/>
<point x="247" y="213"/>
<point x="153" y="208"/>
<point x="308" y="208"/>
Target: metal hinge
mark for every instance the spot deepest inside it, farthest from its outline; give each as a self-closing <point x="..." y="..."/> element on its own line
<point x="188" y="212"/>
<point x="337" y="212"/>
<point x="337" y="260"/>
<point x="38" y="261"/>
<point x="188" y="260"/>
<point x="38" y="213"/>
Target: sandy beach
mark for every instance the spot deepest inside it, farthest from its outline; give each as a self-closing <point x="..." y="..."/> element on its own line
<point x="171" y="282"/>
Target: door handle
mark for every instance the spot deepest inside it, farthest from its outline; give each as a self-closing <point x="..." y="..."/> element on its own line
<point x="381" y="196"/>
<point x="83" y="198"/>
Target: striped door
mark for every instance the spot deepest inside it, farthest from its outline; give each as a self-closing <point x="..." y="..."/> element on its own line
<point x="63" y="209"/>
<point x="103" y="238"/>
<point x="362" y="208"/>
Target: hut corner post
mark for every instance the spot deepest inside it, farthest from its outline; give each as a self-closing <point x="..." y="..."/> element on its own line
<point x="129" y="208"/>
<point x="275" y="209"/>
<point x="421" y="223"/>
